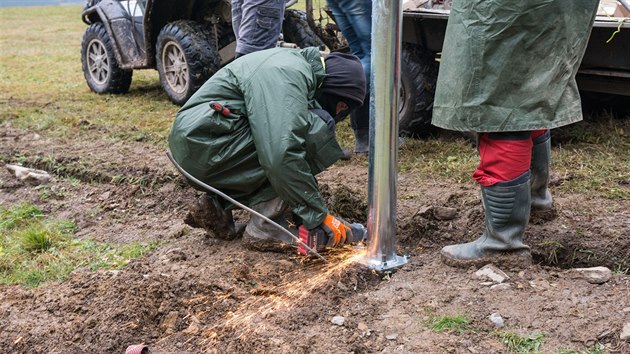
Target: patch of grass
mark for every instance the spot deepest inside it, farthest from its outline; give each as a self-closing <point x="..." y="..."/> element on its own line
<point x="594" y="156"/>
<point x="36" y="238"/>
<point x="452" y="324"/>
<point x="595" y="349"/>
<point x="12" y="218"/>
<point x="35" y="249"/>
<point x="522" y="345"/>
<point x="440" y="158"/>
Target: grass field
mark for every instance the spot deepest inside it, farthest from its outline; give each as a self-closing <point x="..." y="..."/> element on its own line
<point x="42" y="88"/>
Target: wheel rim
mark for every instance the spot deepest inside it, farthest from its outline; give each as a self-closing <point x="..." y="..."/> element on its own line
<point x="175" y="67"/>
<point x="98" y="62"/>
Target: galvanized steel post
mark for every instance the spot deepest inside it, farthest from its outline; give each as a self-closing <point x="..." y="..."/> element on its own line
<point x="383" y="158"/>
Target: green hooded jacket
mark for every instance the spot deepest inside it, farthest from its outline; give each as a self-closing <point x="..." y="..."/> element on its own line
<point x="510" y="65"/>
<point x="270" y="145"/>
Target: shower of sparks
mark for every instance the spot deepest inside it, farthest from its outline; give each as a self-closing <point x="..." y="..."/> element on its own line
<point x="286" y="295"/>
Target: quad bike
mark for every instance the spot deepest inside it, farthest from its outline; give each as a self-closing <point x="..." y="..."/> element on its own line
<point x="187" y="41"/>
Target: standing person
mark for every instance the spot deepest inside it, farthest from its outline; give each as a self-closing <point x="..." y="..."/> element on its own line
<point x="257" y="24"/>
<point x="354" y="19"/>
<point x="259" y="130"/>
<point x="508" y="73"/>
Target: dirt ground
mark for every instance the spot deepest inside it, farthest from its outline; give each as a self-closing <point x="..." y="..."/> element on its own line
<point x="196" y="294"/>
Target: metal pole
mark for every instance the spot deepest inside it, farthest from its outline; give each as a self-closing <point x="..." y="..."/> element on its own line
<point x="383" y="158"/>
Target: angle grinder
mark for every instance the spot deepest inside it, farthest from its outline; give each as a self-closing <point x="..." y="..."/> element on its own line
<point x="317" y="238"/>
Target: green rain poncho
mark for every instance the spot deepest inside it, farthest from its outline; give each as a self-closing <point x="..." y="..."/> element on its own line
<point x="271" y="145"/>
<point x="510" y="65"/>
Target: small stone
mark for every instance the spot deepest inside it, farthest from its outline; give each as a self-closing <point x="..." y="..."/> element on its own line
<point x="625" y="332"/>
<point x="29" y="175"/>
<point x="338" y="320"/>
<point x="486" y="283"/>
<point x="492" y="273"/>
<point x="363" y="327"/>
<point x="594" y="275"/>
<point x="496" y="319"/>
<point x="392" y="336"/>
<point x="540" y="284"/>
<point x="179" y="344"/>
<point x="627" y="309"/>
<point x="444" y="213"/>
<point x="105" y="195"/>
<point x="342" y="287"/>
<point x="502" y="286"/>
<point x="425" y="212"/>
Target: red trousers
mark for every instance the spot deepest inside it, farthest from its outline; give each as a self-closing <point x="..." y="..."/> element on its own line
<point x="504" y="156"/>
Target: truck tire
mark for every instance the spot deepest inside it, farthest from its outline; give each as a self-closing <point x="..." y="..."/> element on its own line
<point x="98" y="60"/>
<point x="296" y="30"/>
<point x="596" y="102"/>
<point x="418" y="79"/>
<point x="185" y="57"/>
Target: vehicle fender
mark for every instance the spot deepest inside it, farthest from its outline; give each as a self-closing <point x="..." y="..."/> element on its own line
<point x="119" y="26"/>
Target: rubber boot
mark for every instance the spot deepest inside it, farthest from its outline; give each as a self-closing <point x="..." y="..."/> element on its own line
<point x="541" y="160"/>
<point x="206" y="212"/>
<point x="347" y="154"/>
<point x="507" y="208"/>
<point x="362" y="141"/>
<point x="261" y="235"/>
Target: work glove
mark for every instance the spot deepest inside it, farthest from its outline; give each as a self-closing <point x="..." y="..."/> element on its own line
<point x="335" y="229"/>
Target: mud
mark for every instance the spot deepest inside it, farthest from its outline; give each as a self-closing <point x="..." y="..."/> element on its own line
<point x="198" y="294"/>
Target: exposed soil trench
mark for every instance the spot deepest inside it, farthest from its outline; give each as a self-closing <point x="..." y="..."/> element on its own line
<point x="198" y="294"/>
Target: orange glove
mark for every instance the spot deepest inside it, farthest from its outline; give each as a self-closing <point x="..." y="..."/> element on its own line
<point x="336" y="228"/>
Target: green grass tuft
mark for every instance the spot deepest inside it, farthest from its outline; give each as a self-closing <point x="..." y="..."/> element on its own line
<point x="12" y="218"/>
<point x="595" y="349"/>
<point x="522" y="345"/>
<point x="36" y="239"/>
<point x="453" y="324"/>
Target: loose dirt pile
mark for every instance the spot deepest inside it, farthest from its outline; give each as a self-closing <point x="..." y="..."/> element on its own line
<point x="197" y="294"/>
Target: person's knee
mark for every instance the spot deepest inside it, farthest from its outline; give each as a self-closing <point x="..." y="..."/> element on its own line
<point x="503" y="157"/>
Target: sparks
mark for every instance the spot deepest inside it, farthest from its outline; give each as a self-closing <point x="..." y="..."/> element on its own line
<point x="286" y="295"/>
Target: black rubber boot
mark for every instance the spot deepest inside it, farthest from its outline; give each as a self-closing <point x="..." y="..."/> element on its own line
<point x="261" y="235"/>
<point x="507" y="207"/>
<point x="541" y="160"/>
<point x="206" y="212"/>
<point x="362" y="143"/>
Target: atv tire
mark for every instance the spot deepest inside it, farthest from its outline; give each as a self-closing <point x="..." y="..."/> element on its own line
<point x="98" y="60"/>
<point x="295" y="29"/>
<point x="419" y="72"/>
<point x="185" y="58"/>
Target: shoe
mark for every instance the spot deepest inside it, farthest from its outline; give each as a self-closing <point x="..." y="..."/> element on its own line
<point x="207" y="213"/>
<point x="260" y="235"/>
<point x="506" y="208"/>
<point x="362" y="141"/>
<point x="541" y="160"/>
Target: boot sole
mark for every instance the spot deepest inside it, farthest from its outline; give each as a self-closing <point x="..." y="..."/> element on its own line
<point x="519" y="259"/>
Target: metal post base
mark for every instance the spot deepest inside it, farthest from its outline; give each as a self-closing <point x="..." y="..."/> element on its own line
<point x="384" y="265"/>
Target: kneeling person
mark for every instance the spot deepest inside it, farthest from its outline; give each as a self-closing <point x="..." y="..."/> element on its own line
<point x="259" y="130"/>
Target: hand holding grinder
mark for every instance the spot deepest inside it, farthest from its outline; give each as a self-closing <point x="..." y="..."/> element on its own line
<point x="330" y="233"/>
